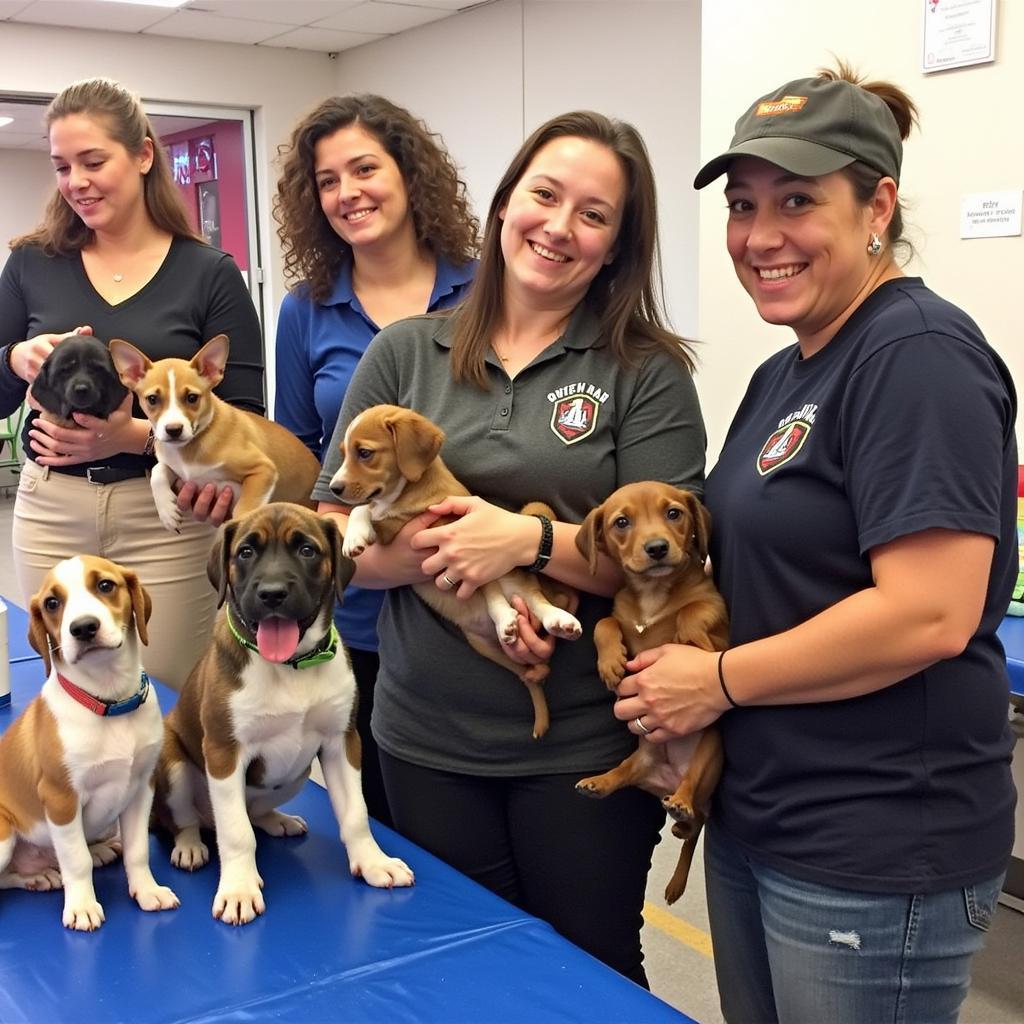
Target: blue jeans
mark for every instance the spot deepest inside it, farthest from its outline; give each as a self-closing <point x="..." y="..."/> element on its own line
<point x="800" y="953"/>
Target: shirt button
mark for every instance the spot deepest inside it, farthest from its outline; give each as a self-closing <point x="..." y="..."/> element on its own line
<point x="504" y="412"/>
<point x="508" y="389"/>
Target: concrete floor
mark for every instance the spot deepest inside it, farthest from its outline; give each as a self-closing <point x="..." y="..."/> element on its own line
<point x="676" y="941"/>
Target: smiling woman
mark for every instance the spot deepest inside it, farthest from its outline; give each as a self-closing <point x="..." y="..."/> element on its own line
<point x="115" y="256"/>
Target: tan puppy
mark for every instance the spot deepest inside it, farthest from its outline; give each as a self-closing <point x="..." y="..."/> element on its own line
<point x="392" y="471"/>
<point x="80" y="759"/>
<point x="272" y="691"/>
<point x="659" y="536"/>
<point x="203" y="439"/>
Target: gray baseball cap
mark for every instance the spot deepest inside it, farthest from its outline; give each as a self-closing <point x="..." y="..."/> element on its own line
<point x="814" y="126"/>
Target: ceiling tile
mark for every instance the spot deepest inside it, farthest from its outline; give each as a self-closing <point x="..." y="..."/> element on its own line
<point x="381" y="17"/>
<point x="444" y="5"/>
<point x="200" y="25"/>
<point x="88" y="14"/>
<point x="283" y="12"/>
<point x="323" y="39"/>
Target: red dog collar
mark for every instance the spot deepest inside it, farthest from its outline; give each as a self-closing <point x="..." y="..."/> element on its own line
<point x="106" y="708"/>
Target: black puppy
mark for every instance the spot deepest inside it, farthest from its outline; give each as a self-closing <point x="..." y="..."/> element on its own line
<point x="78" y="376"/>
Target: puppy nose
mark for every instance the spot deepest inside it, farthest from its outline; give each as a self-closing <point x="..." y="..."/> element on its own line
<point x="84" y="628"/>
<point x="656" y="549"/>
<point x="272" y="594"/>
<point x="82" y="388"/>
<point x="174" y="430"/>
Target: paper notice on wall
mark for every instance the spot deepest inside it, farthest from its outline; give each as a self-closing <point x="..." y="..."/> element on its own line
<point x="957" y="33"/>
<point x="990" y="214"/>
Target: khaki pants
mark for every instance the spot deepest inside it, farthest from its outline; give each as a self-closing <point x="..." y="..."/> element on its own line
<point x="57" y="516"/>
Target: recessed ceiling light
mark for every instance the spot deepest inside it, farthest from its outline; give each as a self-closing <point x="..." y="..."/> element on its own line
<point x="4" y="121"/>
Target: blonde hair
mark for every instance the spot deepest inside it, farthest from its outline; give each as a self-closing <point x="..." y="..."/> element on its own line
<point x="62" y="232"/>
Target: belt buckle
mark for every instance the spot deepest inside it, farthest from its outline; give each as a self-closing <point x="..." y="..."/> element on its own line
<point x="98" y="470"/>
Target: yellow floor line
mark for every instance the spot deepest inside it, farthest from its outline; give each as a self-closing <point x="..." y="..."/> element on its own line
<point x="678" y="929"/>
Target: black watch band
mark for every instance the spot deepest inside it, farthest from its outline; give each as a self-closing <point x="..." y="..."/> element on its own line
<point x="547" y="537"/>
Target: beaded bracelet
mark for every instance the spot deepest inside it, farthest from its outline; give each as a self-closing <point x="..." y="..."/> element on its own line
<point x="547" y="537"/>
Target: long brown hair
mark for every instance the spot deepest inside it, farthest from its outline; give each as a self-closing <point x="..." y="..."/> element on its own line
<point x="625" y="294"/>
<point x="863" y="178"/>
<point x="62" y="231"/>
<point x="437" y="196"/>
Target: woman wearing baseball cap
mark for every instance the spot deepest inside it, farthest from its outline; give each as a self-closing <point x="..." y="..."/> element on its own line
<point x="864" y="541"/>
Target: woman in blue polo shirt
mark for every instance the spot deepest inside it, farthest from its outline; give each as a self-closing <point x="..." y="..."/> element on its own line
<point x="375" y="226"/>
<point x="864" y="542"/>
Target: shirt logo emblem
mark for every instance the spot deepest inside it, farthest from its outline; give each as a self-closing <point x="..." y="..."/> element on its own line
<point x="573" y="419"/>
<point x="782" y="446"/>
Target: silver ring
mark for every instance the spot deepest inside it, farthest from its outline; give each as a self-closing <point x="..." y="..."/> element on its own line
<point x="640" y="725"/>
<point x="451" y="583"/>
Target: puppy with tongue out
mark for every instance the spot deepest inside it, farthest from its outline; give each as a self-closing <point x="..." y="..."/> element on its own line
<point x="273" y="690"/>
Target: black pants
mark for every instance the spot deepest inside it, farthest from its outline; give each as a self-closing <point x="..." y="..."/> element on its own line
<point x="578" y="863"/>
<point x="365" y="665"/>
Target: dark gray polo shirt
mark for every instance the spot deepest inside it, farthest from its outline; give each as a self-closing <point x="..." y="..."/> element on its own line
<point x="568" y="429"/>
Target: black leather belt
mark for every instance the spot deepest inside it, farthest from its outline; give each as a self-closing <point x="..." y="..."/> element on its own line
<point x="113" y="474"/>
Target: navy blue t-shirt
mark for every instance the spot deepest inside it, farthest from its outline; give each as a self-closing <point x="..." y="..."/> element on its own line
<point x="904" y="422"/>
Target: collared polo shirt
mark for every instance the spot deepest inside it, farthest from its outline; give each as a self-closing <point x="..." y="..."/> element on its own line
<point x="568" y="429"/>
<point x="318" y="347"/>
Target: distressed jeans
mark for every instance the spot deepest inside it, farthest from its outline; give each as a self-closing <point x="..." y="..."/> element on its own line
<point x="800" y="953"/>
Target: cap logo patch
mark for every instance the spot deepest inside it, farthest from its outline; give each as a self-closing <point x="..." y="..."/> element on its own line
<point x="782" y="446"/>
<point x="785" y="105"/>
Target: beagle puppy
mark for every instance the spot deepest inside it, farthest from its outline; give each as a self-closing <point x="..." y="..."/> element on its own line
<point x="79" y="761"/>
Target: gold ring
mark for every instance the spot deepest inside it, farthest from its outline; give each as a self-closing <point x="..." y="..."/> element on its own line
<point x="451" y="583"/>
<point x="640" y="725"/>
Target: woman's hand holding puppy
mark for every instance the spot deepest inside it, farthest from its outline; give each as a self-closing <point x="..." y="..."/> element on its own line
<point x="674" y="689"/>
<point x="95" y="439"/>
<point x="27" y="356"/>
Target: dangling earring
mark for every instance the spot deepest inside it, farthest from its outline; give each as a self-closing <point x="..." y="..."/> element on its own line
<point x="875" y="245"/>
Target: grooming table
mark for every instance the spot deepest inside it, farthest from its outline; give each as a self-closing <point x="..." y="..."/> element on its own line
<point x="328" y="948"/>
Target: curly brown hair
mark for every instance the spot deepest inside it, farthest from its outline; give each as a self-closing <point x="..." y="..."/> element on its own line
<point x="437" y="196"/>
<point x="121" y="113"/>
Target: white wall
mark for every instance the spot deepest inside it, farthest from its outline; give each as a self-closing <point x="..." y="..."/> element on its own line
<point x="969" y="141"/>
<point x="279" y="84"/>
<point x="486" y="78"/>
<point x="27" y="178"/>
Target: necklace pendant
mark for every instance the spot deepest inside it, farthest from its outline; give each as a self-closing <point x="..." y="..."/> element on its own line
<point x="119" y="278"/>
<point x="640" y="627"/>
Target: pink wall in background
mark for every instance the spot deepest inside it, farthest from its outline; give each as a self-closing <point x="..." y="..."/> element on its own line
<point x="230" y="178"/>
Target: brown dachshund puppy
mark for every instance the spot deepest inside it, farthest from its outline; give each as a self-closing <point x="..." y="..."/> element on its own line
<point x="659" y="536"/>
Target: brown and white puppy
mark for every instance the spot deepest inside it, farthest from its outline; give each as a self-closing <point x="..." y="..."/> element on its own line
<point x="79" y="760"/>
<point x="203" y="439"/>
<point x="392" y="471"/>
<point x="658" y="534"/>
<point x="273" y="690"/>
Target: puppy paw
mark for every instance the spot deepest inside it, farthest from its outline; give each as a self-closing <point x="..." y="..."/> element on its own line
<point x="611" y="667"/>
<point x="84" y="915"/>
<point x="277" y="824"/>
<point x="593" y="787"/>
<point x="382" y="871"/>
<point x="155" y="897"/>
<point x="45" y="880"/>
<point x="190" y="853"/>
<point x="240" y="900"/>
<point x="506" y="625"/>
<point x="170" y="515"/>
<point x="356" y="540"/>
<point x="682" y="814"/>
<point x="561" y="624"/>
<point x="105" y="852"/>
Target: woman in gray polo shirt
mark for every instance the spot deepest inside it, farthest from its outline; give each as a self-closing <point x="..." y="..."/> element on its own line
<point x="555" y="380"/>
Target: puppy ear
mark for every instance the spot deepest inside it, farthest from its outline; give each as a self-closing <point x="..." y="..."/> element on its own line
<point x="37" y="635"/>
<point x="142" y="605"/>
<point x="218" y="563"/>
<point x="210" y="360"/>
<point x="131" y="364"/>
<point x="43" y="391"/>
<point x="590" y="538"/>
<point x="701" y="524"/>
<point x="417" y="442"/>
<point x="344" y="567"/>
